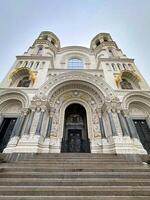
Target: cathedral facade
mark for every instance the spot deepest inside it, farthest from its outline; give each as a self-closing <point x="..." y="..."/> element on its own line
<point x="74" y="99"/>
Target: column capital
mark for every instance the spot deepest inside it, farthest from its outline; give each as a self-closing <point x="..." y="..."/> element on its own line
<point x="43" y="108"/>
<point x="24" y="111"/>
<point x="125" y="112"/>
<point x="33" y="108"/>
<point x="52" y="111"/>
<point x="99" y="112"/>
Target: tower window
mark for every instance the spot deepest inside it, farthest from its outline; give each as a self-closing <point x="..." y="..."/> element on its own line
<point x="126" y="84"/>
<point x="19" y="63"/>
<point x="31" y="64"/>
<point x="97" y="43"/>
<point x="124" y="66"/>
<point x="26" y="63"/>
<point x="110" y="53"/>
<point x="113" y="66"/>
<point x="119" y="66"/>
<point x="45" y="37"/>
<point x="25" y="82"/>
<point x="105" y="39"/>
<point x="75" y="63"/>
<point x="39" y="50"/>
<point x="53" y="41"/>
<point x="36" y="65"/>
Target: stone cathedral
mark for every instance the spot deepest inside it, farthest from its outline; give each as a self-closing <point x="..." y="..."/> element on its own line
<point x="74" y="99"/>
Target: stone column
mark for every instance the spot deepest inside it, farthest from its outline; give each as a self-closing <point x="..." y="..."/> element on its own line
<point x="112" y="124"/>
<point x="148" y="121"/>
<point x="40" y="121"/>
<point x="49" y="127"/>
<point x="1" y="119"/>
<point x="21" y="122"/>
<point x="101" y="126"/>
<point x="29" y="122"/>
<point x="123" y="124"/>
<point x="131" y="126"/>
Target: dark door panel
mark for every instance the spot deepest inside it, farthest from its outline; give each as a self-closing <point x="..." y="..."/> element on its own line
<point x="143" y="132"/>
<point x="6" y="131"/>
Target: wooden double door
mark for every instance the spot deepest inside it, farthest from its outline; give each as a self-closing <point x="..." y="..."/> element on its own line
<point x="143" y="132"/>
<point x="6" y="129"/>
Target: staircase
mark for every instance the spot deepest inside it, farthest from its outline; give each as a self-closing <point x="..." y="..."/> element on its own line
<point x="73" y="176"/>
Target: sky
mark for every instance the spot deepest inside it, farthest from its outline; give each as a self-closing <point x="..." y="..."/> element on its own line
<point x="75" y="22"/>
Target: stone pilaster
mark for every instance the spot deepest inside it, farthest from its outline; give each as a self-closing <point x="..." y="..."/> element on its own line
<point x="40" y="121"/>
<point x="49" y="127"/>
<point x="21" y="122"/>
<point x="123" y="124"/>
<point x="112" y="123"/>
<point x="131" y="126"/>
<point x="29" y="122"/>
<point x="1" y="119"/>
<point x="18" y="126"/>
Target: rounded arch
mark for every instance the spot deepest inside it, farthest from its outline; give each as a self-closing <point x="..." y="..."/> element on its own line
<point x="76" y="86"/>
<point x="75" y="134"/>
<point x="87" y="109"/>
<point x="15" y="95"/>
<point x="128" y="79"/>
<point x="139" y="109"/>
<point x="11" y="106"/>
<point x="84" y="57"/>
<point x="20" y="73"/>
<point x="96" y="82"/>
<point x="135" y="97"/>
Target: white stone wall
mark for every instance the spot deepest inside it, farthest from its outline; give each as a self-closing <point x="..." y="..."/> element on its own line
<point x="54" y="86"/>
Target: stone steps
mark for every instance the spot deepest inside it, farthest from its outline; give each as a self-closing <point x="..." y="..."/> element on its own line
<point x="74" y="176"/>
<point x="75" y="190"/>
<point x="73" y="182"/>
<point x="77" y="169"/>
<point x="75" y="198"/>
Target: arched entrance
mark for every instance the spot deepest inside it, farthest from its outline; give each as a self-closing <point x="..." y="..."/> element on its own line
<point x="75" y="136"/>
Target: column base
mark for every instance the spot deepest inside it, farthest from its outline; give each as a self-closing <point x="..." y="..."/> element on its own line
<point x="11" y="145"/>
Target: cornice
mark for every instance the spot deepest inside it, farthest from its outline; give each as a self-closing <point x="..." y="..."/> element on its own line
<point x="76" y="48"/>
<point x="34" y="57"/>
<point x="76" y="70"/>
<point x="117" y="59"/>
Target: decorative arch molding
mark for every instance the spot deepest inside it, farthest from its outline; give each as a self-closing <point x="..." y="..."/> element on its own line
<point x="76" y="87"/>
<point x="97" y="82"/>
<point x="21" y="72"/>
<point x="15" y="95"/>
<point x="135" y="97"/>
<point x="11" y="106"/>
<point x="82" y="56"/>
<point x="57" y="128"/>
<point x="82" y="49"/>
<point x="128" y="75"/>
<point x="137" y="108"/>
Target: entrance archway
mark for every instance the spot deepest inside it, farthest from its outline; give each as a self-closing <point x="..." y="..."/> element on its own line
<point x="75" y="136"/>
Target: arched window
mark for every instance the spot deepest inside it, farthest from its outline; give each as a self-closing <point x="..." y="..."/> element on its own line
<point x="31" y="64"/>
<point x="97" y="43"/>
<point x="124" y="66"/>
<point x="45" y="37"/>
<point x="39" y="50"/>
<point x="125" y="84"/>
<point x="113" y="66"/>
<point x="119" y="66"/>
<point x="105" y="39"/>
<point x="25" y="63"/>
<point x="25" y="82"/>
<point x="75" y="63"/>
<point x="110" y="53"/>
<point x="53" y="41"/>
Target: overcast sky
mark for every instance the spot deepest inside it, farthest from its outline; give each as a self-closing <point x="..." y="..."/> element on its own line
<point x="75" y="22"/>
